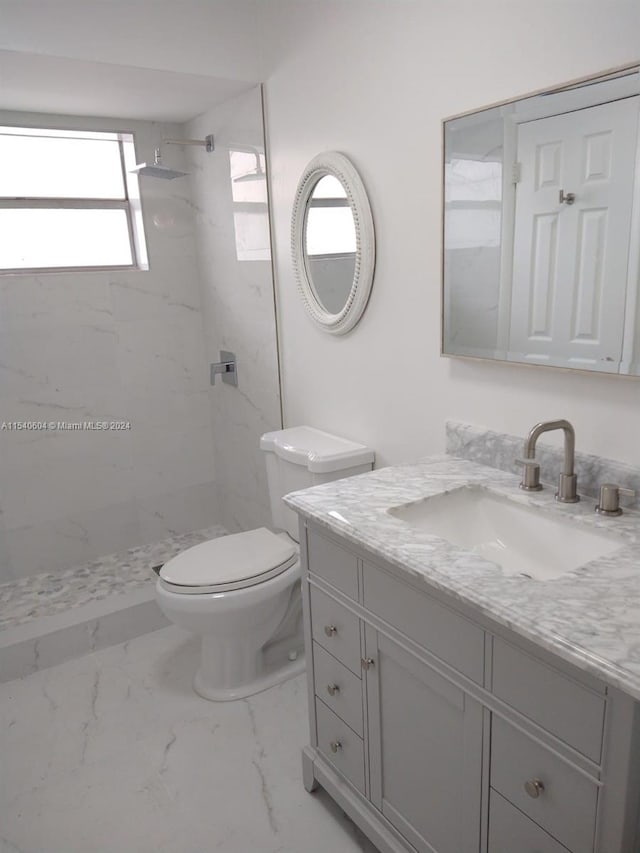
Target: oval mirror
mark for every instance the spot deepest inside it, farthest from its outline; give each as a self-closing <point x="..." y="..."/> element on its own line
<point x="333" y="242"/>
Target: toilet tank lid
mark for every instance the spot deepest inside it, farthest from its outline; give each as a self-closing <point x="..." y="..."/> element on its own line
<point x="319" y="451"/>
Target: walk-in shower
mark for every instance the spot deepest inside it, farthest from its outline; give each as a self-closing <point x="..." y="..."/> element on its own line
<point x="87" y="513"/>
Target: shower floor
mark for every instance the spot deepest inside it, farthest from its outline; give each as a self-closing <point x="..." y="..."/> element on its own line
<point x="54" y="592"/>
<point x="54" y="616"/>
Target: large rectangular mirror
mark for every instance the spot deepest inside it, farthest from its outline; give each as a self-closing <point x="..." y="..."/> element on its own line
<point x="542" y="228"/>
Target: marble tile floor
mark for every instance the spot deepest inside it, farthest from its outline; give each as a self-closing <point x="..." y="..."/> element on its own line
<point x="114" y="753"/>
<point x="49" y="593"/>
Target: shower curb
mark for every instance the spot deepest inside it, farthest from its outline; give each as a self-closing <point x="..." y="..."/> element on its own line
<point x="50" y="640"/>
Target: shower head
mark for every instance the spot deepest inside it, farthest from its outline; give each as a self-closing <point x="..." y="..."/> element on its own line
<point x="250" y="178"/>
<point x="258" y="173"/>
<point x="157" y="169"/>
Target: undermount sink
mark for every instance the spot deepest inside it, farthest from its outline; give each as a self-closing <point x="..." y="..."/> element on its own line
<point x="521" y="539"/>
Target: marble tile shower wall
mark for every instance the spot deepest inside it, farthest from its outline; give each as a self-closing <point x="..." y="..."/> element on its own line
<point x="107" y="346"/>
<point x="238" y="307"/>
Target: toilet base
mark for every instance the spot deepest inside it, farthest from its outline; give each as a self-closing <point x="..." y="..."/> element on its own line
<point x="269" y="678"/>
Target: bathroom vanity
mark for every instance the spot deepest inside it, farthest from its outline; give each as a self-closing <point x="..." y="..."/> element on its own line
<point x="456" y="706"/>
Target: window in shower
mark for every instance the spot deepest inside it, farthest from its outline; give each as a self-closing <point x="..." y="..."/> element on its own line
<point x="68" y="201"/>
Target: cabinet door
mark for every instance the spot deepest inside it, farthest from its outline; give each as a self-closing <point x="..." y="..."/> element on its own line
<point x="425" y="750"/>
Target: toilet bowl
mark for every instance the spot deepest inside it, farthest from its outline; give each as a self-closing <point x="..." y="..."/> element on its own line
<point x="241" y="593"/>
<point x="236" y="592"/>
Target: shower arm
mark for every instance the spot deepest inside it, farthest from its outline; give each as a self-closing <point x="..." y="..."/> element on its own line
<point x="206" y="143"/>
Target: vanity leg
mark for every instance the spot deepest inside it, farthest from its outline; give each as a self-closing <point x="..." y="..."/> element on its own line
<point x="308" y="779"/>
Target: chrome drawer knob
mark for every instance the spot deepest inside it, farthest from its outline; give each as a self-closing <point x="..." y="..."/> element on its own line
<point x="335" y="745"/>
<point x="330" y="630"/>
<point x="534" y="787"/>
<point x="332" y="689"/>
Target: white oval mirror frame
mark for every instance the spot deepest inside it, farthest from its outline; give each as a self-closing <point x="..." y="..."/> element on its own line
<point x="336" y="164"/>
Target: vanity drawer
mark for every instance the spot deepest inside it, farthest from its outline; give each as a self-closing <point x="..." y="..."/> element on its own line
<point x="334" y="734"/>
<point x="571" y="711"/>
<point x="512" y="832"/>
<point x="437" y="628"/>
<point x="338" y="688"/>
<point x="336" y="629"/>
<point x="334" y="564"/>
<point x="566" y="807"/>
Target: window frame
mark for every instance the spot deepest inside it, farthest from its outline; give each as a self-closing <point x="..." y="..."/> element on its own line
<point x="130" y="203"/>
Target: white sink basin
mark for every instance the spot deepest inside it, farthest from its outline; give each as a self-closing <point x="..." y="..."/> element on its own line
<point x="520" y="539"/>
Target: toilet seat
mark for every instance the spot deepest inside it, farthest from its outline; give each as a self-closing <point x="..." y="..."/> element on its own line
<point x="229" y="563"/>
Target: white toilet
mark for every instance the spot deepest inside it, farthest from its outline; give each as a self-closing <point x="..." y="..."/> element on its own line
<point x="241" y="593"/>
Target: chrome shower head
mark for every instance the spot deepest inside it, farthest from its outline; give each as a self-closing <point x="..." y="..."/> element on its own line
<point x="258" y="174"/>
<point x="157" y="169"/>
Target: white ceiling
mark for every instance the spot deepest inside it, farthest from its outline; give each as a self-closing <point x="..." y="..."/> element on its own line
<point x="212" y="38"/>
<point x="165" y="60"/>
<point x="53" y="84"/>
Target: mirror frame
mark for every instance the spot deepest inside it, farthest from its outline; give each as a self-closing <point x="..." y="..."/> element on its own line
<point x="340" y="167"/>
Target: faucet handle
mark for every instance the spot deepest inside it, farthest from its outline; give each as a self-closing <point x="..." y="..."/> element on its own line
<point x="530" y="475"/>
<point x="609" y="502"/>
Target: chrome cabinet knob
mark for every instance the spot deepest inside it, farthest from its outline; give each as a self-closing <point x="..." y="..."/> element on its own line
<point x="332" y="689"/>
<point x="534" y="787"/>
<point x="335" y="745"/>
<point x="366" y="663"/>
<point x="330" y="630"/>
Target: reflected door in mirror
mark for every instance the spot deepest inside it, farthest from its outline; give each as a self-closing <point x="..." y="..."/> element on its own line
<point x="542" y="228"/>
<point x="571" y="240"/>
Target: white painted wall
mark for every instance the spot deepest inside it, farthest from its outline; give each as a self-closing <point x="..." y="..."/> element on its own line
<point x="374" y="80"/>
<point x="114" y="345"/>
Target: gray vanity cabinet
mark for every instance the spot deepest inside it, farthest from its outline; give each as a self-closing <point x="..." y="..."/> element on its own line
<point x="440" y="732"/>
<point x="425" y="750"/>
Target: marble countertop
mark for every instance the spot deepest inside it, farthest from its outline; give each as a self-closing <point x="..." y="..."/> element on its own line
<point x="590" y="616"/>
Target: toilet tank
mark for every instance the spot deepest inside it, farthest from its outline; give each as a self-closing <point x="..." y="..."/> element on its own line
<point x="301" y="457"/>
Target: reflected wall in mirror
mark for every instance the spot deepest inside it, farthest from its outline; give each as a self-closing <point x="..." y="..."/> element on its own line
<point x="542" y="228"/>
<point x="333" y="243"/>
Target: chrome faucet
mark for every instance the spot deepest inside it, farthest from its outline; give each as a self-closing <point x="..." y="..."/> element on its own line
<point x="568" y="482"/>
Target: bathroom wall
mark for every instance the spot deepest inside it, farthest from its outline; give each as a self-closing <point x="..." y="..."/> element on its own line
<point x="106" y="346"/>
<point x="374" y="80"/>
<point x="237" y="300"/>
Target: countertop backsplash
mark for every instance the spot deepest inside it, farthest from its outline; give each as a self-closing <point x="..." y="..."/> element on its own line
<point x="500" y="450"/>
